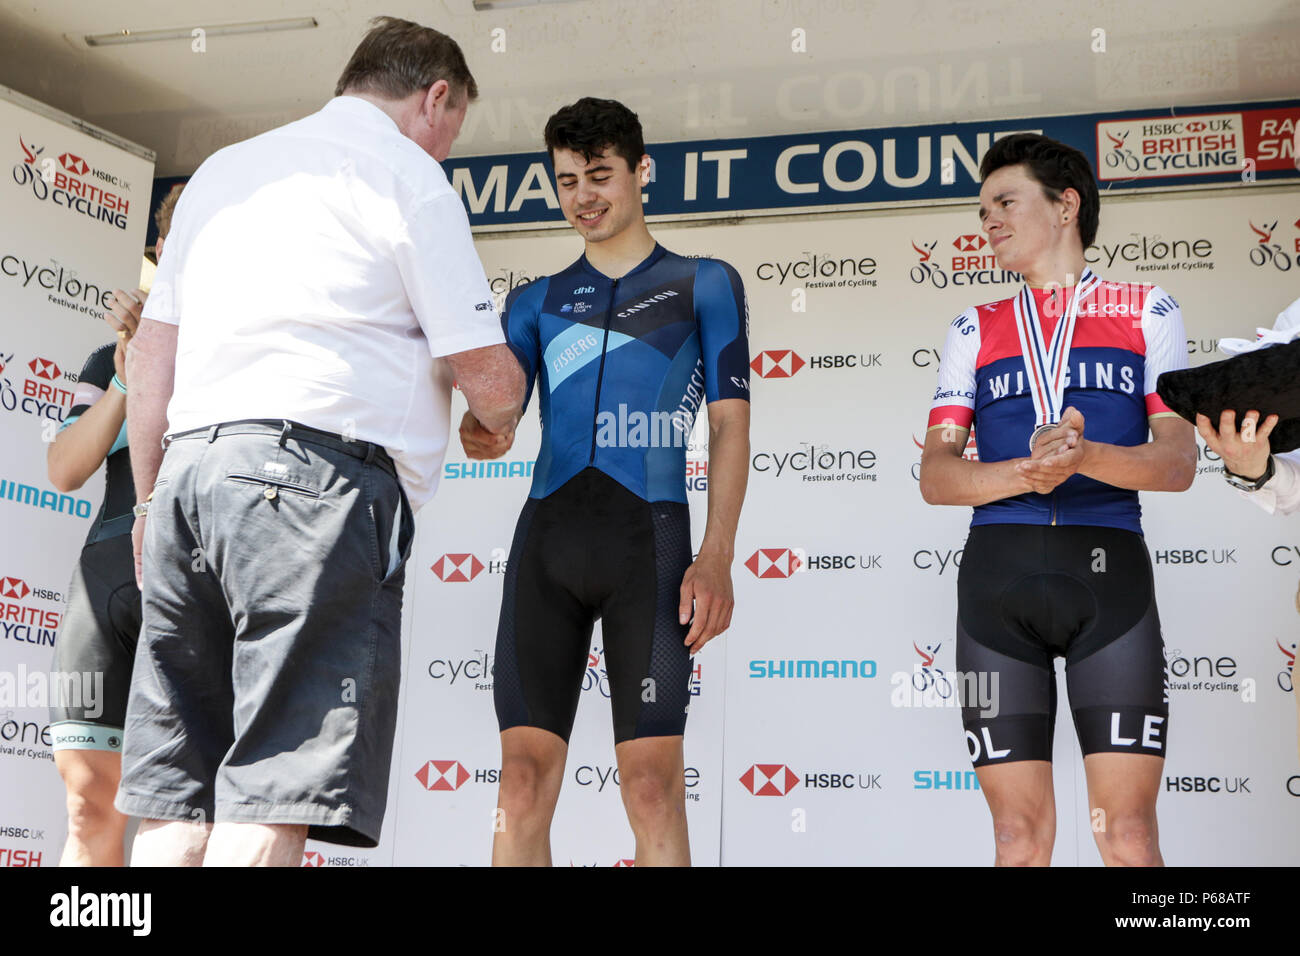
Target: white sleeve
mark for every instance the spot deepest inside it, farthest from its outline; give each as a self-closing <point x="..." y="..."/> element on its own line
<point x="1282" y="493"/>
<point x="444" y="279"/>
<point x="1166" y="344"/>
<point x="1288" y="318"/>
<point x="954" y="397"/>
<point x="164" y="301"/>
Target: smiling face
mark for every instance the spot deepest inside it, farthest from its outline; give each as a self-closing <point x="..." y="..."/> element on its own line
<point x="1024" y="226"/>
<point x="602" y="197"/>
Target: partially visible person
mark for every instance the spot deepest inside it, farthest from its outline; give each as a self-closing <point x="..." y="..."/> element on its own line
<point x="102" y="622"/>
<point x="1271" y="481"/>
<point x="318" y="294"/>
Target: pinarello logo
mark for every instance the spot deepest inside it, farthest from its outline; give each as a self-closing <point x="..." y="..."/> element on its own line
<point x="777" y="363"/>
<point x="14" y="588"/>
<point x="312" y="858"/>
<point x="456" y="568"/>
<point x="773" y="563"/>
<point x="44" y="368"/>
<point x="969" y="243"/>
<point x="442" y="775"/>
<point x="74" y="164"/>
<point x="769" y="779"/>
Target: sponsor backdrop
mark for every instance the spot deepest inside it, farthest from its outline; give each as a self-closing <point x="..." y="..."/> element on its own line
<point x="73" y="205"/>
<point x="822" y="727"/>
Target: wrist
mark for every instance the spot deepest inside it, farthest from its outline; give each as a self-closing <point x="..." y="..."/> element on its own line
<point x="1248" y="482"/>
<point x="715" y="551"/>
<point x="119" y="384"/>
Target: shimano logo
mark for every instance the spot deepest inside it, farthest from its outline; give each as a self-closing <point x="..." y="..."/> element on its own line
<point x="647" y="303"/>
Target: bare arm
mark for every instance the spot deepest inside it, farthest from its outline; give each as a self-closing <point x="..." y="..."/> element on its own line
<point x="493" y="385"/>
<point x="78" y="450"/>
<point x="151" y="371"/>
<point x="1166" y="463"/>
<point x="949" y="479"/>
<point x="706" y="596"/>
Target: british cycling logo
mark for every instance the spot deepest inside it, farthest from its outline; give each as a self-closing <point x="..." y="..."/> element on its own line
<point x="1265" y="251"/>
<point x="1286" y="676"/>
<point x="22" y="619"/>
<point x="41" y="395"/>
<point x="969" y="263"/>
<point x="61" y="182"/>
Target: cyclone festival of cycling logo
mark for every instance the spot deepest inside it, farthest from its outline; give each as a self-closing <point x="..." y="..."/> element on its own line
<point x="1286" y="676"/>
<point x="1266" y="252"/>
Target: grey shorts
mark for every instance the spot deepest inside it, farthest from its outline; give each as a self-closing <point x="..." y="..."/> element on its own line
<point x="266" y="677"/>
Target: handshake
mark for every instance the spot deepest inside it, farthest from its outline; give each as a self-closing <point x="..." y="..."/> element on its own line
<point x="481" y="443"/>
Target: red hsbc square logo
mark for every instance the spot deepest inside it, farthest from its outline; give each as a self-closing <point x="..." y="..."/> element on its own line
<point x="74" y="164"/>
<point x="457" y="568"/>
<point x="442" y="775"/>
<point x="44" y="368"/>
<point x="625" y="862"/>
<point x="970" y="243"/>
<point x="773" y="563"/>
<point x="312" y="858"/>
<point x="14" y="588"/>
<point x="769" y="779"/>
<point x="777" y="363"/>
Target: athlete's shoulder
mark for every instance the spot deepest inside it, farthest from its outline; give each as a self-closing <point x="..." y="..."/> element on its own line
<point x="99" y="368"/>
<point x="528" y="294"/>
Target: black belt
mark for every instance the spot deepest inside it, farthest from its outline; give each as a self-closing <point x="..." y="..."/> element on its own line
<point x="285" y="429"/>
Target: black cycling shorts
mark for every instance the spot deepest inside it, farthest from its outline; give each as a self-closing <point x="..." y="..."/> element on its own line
<point x="1027" y="594"/>
<point x="95" y="649"/>
<point x="593" y="549"/>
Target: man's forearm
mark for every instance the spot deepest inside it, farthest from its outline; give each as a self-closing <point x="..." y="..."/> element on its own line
<point x="728" y="479"/>
<point x="80" y="448"/>
<point x="1151" y="466"/>
<point x="151" y="370"/>
<point x="952" y="480"/>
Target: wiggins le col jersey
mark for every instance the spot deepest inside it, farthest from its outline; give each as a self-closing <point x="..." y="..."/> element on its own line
<point x="625" y="365"/>
<point x="1126" y="334"/>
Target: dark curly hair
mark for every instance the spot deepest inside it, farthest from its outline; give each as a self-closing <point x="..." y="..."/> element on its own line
<point x="1054" y="166"/>
<point x="592" y="126"/>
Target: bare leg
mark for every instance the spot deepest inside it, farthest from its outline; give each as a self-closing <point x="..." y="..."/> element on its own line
<point x="170" y="843"/>
<point x="532" y="771"/>
<point x="1023" y="805"/>
<point x="653" y="785"/>
<point x="1124" y="788"/>
<point x="95" y="828"/>
<point x="256" y="844"/>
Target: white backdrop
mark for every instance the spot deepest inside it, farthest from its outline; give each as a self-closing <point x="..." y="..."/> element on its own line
<point x="64" y="245"/>
<point x="912" y="799"/>
<point x="852" y="310"/>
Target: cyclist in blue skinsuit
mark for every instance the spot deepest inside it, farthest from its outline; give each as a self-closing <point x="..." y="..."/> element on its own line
<point x="623" y="346"/>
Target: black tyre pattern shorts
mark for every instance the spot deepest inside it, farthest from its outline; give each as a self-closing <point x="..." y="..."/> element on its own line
<point x="96" y="647"/>
<point x="593" y="549"/>
<point x="1027" y="594"/>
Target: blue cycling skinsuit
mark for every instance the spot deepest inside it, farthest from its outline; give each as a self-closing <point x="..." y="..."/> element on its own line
<point x="622" y="367"/>
<point x="1067" y="573"/>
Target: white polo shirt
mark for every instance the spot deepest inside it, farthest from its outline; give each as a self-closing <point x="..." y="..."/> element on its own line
<point x="317" y="272"/>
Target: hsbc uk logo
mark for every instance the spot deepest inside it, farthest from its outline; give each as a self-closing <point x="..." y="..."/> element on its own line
<point x="778" y="779"/>
<point x="442" y="775"/>
<point x="768" y="563"/>
<point x="463" y="567"/>
<point x="14" y="588"/>
<point x="44" y="368"/>
<point x="785" y="363"/>
<point x="74" y="164"/>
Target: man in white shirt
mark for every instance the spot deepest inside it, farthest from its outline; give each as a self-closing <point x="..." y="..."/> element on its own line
<point x="318" y="294"/>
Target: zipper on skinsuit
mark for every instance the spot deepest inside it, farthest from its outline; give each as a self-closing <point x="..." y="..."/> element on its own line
<point x="600" y="374"/>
